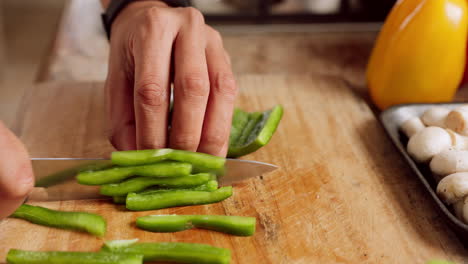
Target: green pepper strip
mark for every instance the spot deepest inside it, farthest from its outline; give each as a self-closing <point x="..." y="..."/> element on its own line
<point x="207" y="187"/>
<point x="202" y="162"/>
<point x="173" y="198"/>
<point x="255" y="133"/>
<point x="175" y="252"/>
<point x="119" y="199"/>
<point x="435" y="261"/>
<point x="141" y="183"/>
<point x="117" y="174"/>
<point x="81" y="221"/>
<point x="234" y="225"/>
<point x="16" y="256"/>
<point x="239" y="121"/>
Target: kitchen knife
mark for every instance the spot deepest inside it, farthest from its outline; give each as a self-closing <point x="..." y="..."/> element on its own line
<point x="55" y="177"/>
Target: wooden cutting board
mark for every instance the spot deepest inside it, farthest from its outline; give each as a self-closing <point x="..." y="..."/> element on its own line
<point x="342" y="193"/>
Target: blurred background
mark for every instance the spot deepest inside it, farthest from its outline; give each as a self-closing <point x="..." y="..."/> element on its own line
<point x="63" y="40"/>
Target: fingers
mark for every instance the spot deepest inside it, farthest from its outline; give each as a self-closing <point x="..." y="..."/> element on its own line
<point x="119" y="101"/>
<point x="16" y="176"/>
<point x="191" y="84"/>
<point x="152" y="52"/>
<point x="217" y="123"/>
<point x="151" y="38"/>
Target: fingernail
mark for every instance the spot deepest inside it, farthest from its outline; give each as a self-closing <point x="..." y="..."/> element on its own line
<point x="26" y="178"/>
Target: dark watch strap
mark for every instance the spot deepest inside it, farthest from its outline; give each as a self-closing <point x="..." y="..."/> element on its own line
<point x="115" y="6"/>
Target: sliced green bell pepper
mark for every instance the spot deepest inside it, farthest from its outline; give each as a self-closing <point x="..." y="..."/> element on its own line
<point x="201" y="162"/>
<point x="81" y="221"/>
<point x="117" y="174"/>
<point x="173" y="252"/>
<point x="140" y="183"/>
<point x="234" y="225"/>
<point x="119" y="199"/>
<point x="439" y="262"/>
<point x="251" y="131"/>
<point x="207" y="187"/>
<point x="172" y="198"/>
<point x="16" y="256"/>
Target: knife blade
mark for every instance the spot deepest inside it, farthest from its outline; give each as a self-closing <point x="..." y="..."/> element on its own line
<point x="55" y="177"/>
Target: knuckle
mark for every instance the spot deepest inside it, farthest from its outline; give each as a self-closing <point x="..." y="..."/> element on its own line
<point x="185" y="141"/>
<point x="146" y="144"/>
<point x="216" y="140"/>
<point x="17" y="191"/>
<point x="195" y="86"/>
<point x="152" y="13"/>
<point x="215" y="35"/>
<point x="225" y="84"/>
<point x="194" y="15"/>
<point x="151" y="94"/>
<point x="154" y="17"/>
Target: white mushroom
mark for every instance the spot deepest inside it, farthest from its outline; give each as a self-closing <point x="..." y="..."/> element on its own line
<point x="412" y="126"/>
<point x="464" y="216"/>
<point x="449" y="161"/>
<point x="461" y="210"/>
<point x="457" y="120"/>
<point x="435" y="116"/>
<point x="459" y="142"/>
<point x="458" y="209"/>
<point x="453" y="187"/>
<point x="428" y="142"/>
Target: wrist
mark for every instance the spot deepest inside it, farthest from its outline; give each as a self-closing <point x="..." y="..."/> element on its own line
<point x="105" y="3"/>
<point x="137" y="4"/>
<point x="159" y="3"/>
<point x="133" y="8"/>
<point x="114" y="10"/>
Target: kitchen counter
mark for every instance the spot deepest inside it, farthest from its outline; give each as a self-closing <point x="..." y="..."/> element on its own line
<point x="342" y="194"/>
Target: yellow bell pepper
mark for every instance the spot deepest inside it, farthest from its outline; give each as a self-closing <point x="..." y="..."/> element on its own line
<point x="419" y="55"/>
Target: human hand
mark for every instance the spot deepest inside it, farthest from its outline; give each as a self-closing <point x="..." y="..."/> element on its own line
<point x="151" y="45"/>
<point x="16" y="175"/>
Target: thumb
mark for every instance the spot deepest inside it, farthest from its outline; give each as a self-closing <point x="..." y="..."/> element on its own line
<point x="16" y="175"/>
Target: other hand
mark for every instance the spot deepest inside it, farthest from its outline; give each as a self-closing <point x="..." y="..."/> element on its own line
<point x="16" y="175"/>
<point x="151" y="46"/>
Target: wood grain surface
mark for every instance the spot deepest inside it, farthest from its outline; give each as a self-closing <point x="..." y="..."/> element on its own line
<point x="342" y="193"/>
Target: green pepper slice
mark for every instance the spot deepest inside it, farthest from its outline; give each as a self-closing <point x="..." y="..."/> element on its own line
<point x="117" y="174"/>
<point x="172" y="198"/>
<point x="119" y="199"/>
<point x="80" y="221"/>
<point x="234" y="225"/>
<point x="207" y="187"/>
<point x="140" y="183"/>
<point x="201" y="162"/>
<point x="16" y="256"/>
<point x="173" y="252"/>
<point x="251" y="131"/>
